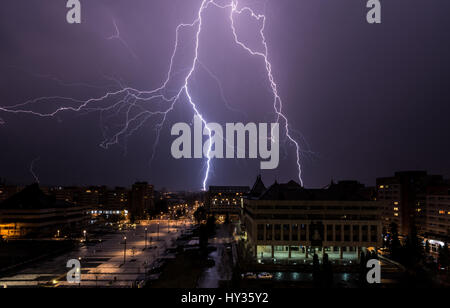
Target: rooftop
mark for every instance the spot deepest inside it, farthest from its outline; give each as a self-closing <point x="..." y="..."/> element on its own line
<point x="32" y="197"/>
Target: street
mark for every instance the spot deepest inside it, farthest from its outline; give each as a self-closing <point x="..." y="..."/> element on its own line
<point x="102" y="263"/>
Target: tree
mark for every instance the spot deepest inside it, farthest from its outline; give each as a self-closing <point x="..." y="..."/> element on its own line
<point x="413" y="248"/>
<point x="444" y="256"/>
<point x="227" y="219"/>
<point x="385" y="235"/>
<point x="200" y="214"/>
<point x="394" y="244"/>
<point x="203" y="237"/>
<point x="316" y="270"/>
<point x="427" y="247"/>
<point x="327" y="271"/>
<point x="211" y="225"/>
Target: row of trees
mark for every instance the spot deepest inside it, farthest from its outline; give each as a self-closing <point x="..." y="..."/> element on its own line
<point x="412" y="252"/>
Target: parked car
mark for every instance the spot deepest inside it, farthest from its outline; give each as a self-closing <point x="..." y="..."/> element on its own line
<point x="249" y="276"/>
<point x="265" y="276"/>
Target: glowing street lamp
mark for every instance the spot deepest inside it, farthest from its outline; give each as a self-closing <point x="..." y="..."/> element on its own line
<point x="124" y="249"/>
<point x="145" y="238"/>
<point x="157" y="236"/>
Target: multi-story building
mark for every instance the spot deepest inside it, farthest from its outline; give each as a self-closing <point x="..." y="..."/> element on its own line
<point x="141" y="200"/>
<point x="117" y="199"/>
<point x="93" y="196"/>
<point x="436" y="229"/>
<point x="225" y="201"/>
<point x="403" y="193"/>
<point x="33" y="213"/>
<point x="288" y="221"/>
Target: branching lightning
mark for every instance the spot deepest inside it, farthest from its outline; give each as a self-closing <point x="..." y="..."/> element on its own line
<point x="36" y="179"/>
<point x="137" y="107"/>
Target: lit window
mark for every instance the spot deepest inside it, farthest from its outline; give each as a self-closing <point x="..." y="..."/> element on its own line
<point x="395" y="208"/>
<point x="441" y="212"/>
<point x="396" y="214"/>
<point x="396" y="202"/>
<point x="381" y="186"/>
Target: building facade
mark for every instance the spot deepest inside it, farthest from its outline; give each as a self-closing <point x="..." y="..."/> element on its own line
<point x="226" y="201"/>
<point x="141" y="200"/>
<point x="436" y="209"/>
<point x="403" y="195"/>
<point x="290" y="222"/>
<point x="33" y="213"/>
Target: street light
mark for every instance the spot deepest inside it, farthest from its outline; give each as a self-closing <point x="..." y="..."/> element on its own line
<point x="124" y="249"/>
<point x="145" y="238"/>
<point x="157" y="236"/>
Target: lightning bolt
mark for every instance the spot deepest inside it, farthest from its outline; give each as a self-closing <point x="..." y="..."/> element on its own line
<point x="136" y="107"/>
<point x="36" y="179"/>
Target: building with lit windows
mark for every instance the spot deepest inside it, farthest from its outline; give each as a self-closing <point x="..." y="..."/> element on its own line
<point x="33" y="213"/>
<point x="141" y="200"/>
<point x="437" y="217"/>
<point x="403" y="194"/>
<point x="289" y="222"/>
<point x="224" y="201"/>
<point x="117" y="199"/>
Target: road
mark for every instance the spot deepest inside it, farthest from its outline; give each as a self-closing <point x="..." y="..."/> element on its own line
<point x="222" y="269"/>
<point x="102" y="264"/>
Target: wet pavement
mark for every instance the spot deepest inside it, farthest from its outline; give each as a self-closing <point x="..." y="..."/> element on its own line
<point x="222" y="269"/>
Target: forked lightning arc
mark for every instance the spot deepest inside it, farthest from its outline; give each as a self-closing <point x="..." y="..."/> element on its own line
<point x="135" y="103"/>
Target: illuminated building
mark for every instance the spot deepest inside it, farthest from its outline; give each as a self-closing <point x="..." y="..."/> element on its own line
<point x="224" y="201"/>
<point x="141" y="199"/>
<point x="290" y="222"/>
<point x="117" y="199"/>
<point x="403" y="193"/>
<point x="437" y="216"/>
<point x="33" y="213"/>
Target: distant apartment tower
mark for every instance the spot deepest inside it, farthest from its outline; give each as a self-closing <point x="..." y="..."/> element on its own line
<point x="437" y="214"/>
<point x="93" y="196"/>
<point x="117" y="199"/>
<point x="67" y="194"/>
<point x="141" y="200"/>
<point x="403" y="193"/>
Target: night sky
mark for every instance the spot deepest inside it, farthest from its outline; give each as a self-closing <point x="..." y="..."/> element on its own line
<point x="363" y="100"/>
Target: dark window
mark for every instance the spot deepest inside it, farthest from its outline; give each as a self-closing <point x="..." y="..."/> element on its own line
<point x="347" y="233"/>
<point x="294" y="233"/>
<point x="269" y="232"/>
<point x="355" y="233"/>
<point x="286" y="233"/>
<point x="338" y="233"/>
